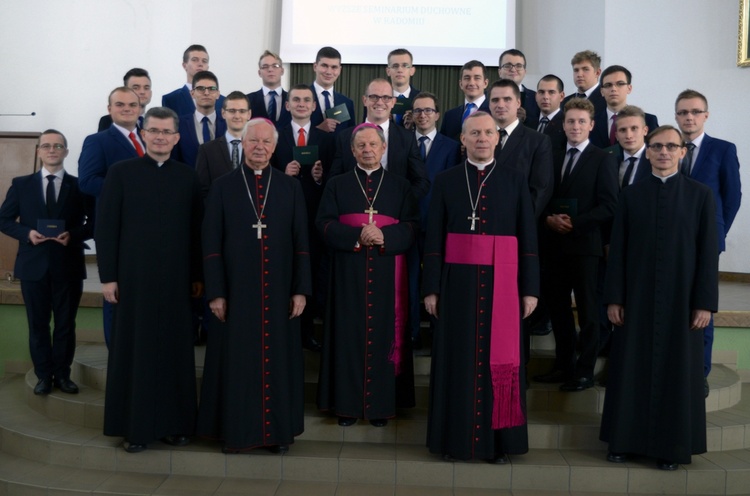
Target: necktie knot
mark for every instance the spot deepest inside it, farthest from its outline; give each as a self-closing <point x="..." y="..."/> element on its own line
<point x="50" y="196"/>
<point x="235" y="153"/>
<point x="542" y="124"/>
<point x="470" y="108"/>
<point x="136" y="144"/>
<point x="326" y="94"/>
<point x="301" y="137"/>
<point x="423" y="146"/>
<point x="272" y="105"/>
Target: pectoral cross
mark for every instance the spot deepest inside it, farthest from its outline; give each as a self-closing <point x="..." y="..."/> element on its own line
<point x="473" y="218"/>
<point x="260" y="226"/>
<point x="371" y="211"/>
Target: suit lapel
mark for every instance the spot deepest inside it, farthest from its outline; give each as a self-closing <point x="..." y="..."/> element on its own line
<point x="703" y="152"/>
<point x="514" y="139"/>
<point x="62" y="198"/>
<point x="123" y="141"/>
<point x="579" y="164"/>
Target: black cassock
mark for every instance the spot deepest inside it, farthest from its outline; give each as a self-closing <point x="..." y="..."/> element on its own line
<point x="253" y="380"/>
<point x="364" y="343"/>
<point x="663" y="263"/>
<point x="461" y="389"/>
<point x="148" y="241"/>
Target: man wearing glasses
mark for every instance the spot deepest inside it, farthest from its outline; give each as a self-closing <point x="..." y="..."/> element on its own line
<point x="512" y="66"/>
<point x="194" y="60"/>
<point x="204" y="123"/>
<point x="714" y="163"/>
<point x="662" y="285"/>
<point x="270" y="100"/>
<point x="400" y="70"/>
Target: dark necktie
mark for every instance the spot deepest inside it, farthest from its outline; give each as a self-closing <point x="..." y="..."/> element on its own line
<point x="206" y="130"/>
<point x="136" y="144"/>
<point x="301" y="137"/>
<point x="235" y="153"/>
<point x="50" y="196"/>
<point x="569" y="165"/>
<point x="423" y="146"/>
<point x="468" y="111"/>
<point x="613" y="130"/>
<point x="326" y="94"/>
<point x="628" y="172"/>
<point x="272" y="105"/>
<point x="543" y="124"/>
<point x="687" y="162"/>
<point x="140" y="122"/>
<point x="503" y="136"/>
<point x="580" y="95"/>
<point x="399" y="118"/>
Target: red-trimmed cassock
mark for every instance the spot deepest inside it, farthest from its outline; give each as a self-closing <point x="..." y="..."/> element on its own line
<point x="477" y="385"/>
<point x="366" y="366"/>
<point x="253" y="380"/>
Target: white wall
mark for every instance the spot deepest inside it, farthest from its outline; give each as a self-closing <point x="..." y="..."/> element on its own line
<point x="64" y="56"/>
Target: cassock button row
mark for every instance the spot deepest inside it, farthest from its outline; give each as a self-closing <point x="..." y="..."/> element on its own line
<point x="369" y="368"/>
<point x="268" y="386"/>
<point x="265" y="260"/>
<point x="267" y="360"/>
<point x="268" y="398"/>
<point x="268" y="422"/>
<point x="484" y="196"/>
<point x="369" y="292"/>
<point x="267" y="334"/>
<point x="484" y="208"/>
<point x="266" y="347"/>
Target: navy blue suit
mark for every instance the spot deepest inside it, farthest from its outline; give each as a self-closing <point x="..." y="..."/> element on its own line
<point x="318" y="115"/>
<point x="600" y="134"/>
<point x="186" y="150"/>
<point x="258" y="108"/>
<point x="644" y="165"/>
<point x="51" y="274"/>
<point x="453" y="119"/>
<point x="181" y="101"/>
<point x="595" y="98"/>
<point x="100" y="151"/>
<point x="528" y="102"/>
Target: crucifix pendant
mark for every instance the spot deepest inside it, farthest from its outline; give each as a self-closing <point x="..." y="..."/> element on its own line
<point x="260" y="226"/>
<point x="473" y="218"/>
<point x="371" y="211"/>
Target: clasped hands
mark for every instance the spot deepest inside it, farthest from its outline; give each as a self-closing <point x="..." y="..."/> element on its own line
<point x="35" y="237"/>
<point x="371" y="235"/>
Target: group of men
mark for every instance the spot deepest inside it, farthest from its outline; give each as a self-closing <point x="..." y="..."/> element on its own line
<point x="298" y="212"/>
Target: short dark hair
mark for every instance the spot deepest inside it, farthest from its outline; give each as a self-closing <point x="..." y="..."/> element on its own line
<point x="507" y="83"/>
<point x="135" y="72"/>
<point x="587" y="56"/>
<point x="193" y="48"/>
<point x="427" y="94"/>
<point x="205" y="75"/>
<point x="235" y="95"/>
<point x="688" y="94"/>
<point x="514" y="52"/>
<point x="400" y="51"/>
<point x="580" y="104"/>
<point x="161" y="113"/>
<point x="472" y="64"/>
<point x="632" y="111"/>
<point x="615" y="68"/>
<point x="302" y="87"/>
<point x="55" y="131"/>
<point x="552" y="77"/>
<point x="664" y="129"/>
<point x="327" y="53"/>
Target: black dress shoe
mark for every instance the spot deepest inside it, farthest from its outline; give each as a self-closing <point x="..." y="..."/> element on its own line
<point x="706" y="389"/>
<point x="448" y="458"/>
<point x="135" y="448"/>
<point x="379" y="422"/>
<point x="666" y="465"/>
<point x="552" y="377"/>
<point x="43" y="387"/>
<point x="279" y="449"/>
<point x="347" y="421"/>
<point x="66" y="386"/>
<point x="176" y="440"/>
<point x="500" y="459"/>
<point x="577" y="384"/>
<point x="312" y="344"/>
<point x="617" y="457"/>
<point x="541" y="329"/>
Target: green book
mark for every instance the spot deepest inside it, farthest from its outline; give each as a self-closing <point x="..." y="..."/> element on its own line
<point x="306" y="155"/>
<point x="339" y="112"/>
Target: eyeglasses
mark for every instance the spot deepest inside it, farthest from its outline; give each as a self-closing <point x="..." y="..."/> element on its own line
<point x="619" y="84"/>
<point x="165" y="132"/>
<point x="203" y="89"/>
<point x="694" y="112"/>
<point x="48" y="146"/>
<point x="509" y="66"/>
<point x="375" y="98"/>
<point x="671" y="147"/>
<point x="396" y="67"/>
<point x="237" y="111"/>
<point x="425" y="111"/>
<point x="266" y="67"/>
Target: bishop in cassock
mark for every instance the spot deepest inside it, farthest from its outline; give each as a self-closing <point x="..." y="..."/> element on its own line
<point x="368" y="218"/>
<point x="661" y="287"/>
<point x="481" y="276"/>
<point x="257" y="272"/>
<point x="148" y="252"/>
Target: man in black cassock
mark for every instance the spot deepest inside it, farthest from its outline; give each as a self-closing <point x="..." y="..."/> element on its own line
<point x="148" y="252"/>
<point x="367" y="217"/>
<point x="481" y="277"/>
<point x="257" y="271"/>
<point x="661" y="287"/>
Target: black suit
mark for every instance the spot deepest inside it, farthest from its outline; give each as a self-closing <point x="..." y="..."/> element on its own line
<point x="570" y="261"/>
<point x="51" y="274"/>
<point x="213" y="161"/>
<point x="528" y="102"/>
<point x="600" y="135"/>
<point x="258" y="108"/>
<point x="595" y="97"/>
<point x="554" y="130"/>
<point x="403" y="158"/>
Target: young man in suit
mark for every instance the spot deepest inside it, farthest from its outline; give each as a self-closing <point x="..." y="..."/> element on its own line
<point x="549" y="95"/>
<point x="203" y="124"/>
<point x="473" y="82"/>
<point x="50" y="265"/>
<point x="512" y="65"/>
<point x="571" y="245"/>
<point x="713" y="162"/>
<point x="269" y="101"/>
<point x="587" y="66"/>
<point x="632" y="163"/>
<point x="224" y="154"/>
<point x="139" y="81"/>
<point x="400" y="70"/>
<point x="327" y="68"/>
<point x="194" y="60"/>
<point x="615" y="87"/>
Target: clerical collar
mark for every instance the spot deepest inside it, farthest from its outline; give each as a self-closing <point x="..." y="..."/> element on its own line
<point x="481" y="167"/>
<point x="665" y="179"/>
<point x="258" y="172"/>
<point x="367" y="171"/>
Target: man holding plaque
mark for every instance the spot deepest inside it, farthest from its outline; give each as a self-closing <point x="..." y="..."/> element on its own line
<point x="571" y="240"/>
<point x="51" y="219"/>
<point x="368" y="218"/>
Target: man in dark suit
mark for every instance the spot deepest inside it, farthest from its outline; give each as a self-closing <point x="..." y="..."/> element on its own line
<point x="224" y="154"/>
<point x="512" y="65"/>
<point x="327" y="68"/>
<point x="571" y="245"/>
<point x="139" y="81"/>
<point x="194" y="60"/>
<point x="713" y="162"/>
<point x="549" y="96"/>
<point x="615" y="87"/>
<point x="521" y="147"/>
<point x="473" y="82"/>
<point x="202" y="125"/>
<point x="101" y="150"/>
<point x="630" y="150"/>
<point x="50" y="265"/>
<point x="587" y="66"/>
<point x="400" y="70"/>
<point x="401" y="156"/>
<point x="262" y="102"/>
